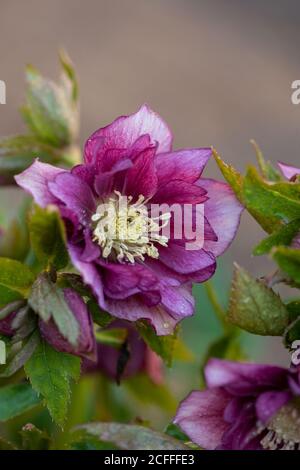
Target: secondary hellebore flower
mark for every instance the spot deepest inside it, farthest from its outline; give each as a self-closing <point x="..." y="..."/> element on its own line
<point x="86" y="347"/>
<point x="246" y="406"/>
<point x="288" y="171"/>
<point x="133" y="358"/>
<point x="138" y="272"/>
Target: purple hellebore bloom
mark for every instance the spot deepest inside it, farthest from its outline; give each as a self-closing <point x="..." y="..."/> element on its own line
<point x="288" y="171"/>
<point x="245" y="407"/>
<point x="86" y="347"/>
<point x="141" y="358"/>
<point x="137" y="277"/>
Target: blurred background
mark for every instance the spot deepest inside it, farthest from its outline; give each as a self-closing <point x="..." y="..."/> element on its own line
<point x="219" y="72"/>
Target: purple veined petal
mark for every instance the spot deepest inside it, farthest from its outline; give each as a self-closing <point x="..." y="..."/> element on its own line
<point x="133" y="309"/>
<point x="142" y="179"/>
<point x="268" y="403"/>
<point x="175" y="278"/>
<point x="91" y="251"/>
<point x="244" y="378"/>
<point x="223" y="212"/>
<point x="179" y="301"/>
<point x="200" y="416"/>
<point x="35" y="181"/>
<point x="179" y="192"/>
<point x="75" y="194"/>
<point x="125" y="131"/>
<point x="239" y="435"/>
<point x="86" y="173"/>
<point x="123" y="280"/>
<point x="90" y="273"/>
<point x="288" y="171"/>
<point x="179" y="259"/>
<point x="234" y="409"/>
<point x="185" y="165"/>
<point x="86" y="344"/>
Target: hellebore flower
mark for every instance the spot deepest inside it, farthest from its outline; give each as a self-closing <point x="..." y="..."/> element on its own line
<point x="246" y="406"/>
<point x="288" y="171"/>
<point x="133" y="274"/>
<point x="140" y="357"/>
<point x="86" y="347"/>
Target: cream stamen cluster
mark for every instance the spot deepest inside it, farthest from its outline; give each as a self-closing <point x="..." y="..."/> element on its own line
<point x="124" y="230"/>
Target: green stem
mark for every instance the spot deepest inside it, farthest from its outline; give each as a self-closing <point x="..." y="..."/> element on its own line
<point x="219" y="311"/>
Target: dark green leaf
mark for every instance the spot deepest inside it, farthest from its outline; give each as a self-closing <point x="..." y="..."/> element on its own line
<point x="284" y="235"/>
<point x="255" y="307"/>
<point x="50" y="373"/>
<point x="163" y="345"/>
<point x="15" y="276"/>
<point x="288" y="259"/>
<point x="47" y="234"/>
<point x="48" y="301"/>
<point x="16" y="399"/>
<point x="267" y="170"/>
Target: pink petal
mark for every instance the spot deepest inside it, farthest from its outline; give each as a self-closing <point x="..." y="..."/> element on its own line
<point x="186" y="165"/>
<point x="141" y="179"/>
<point x="288" y="171"/>
<point x="35" y="181"/>
<point x="200" y="416"/>
<point x="223" y="212"/>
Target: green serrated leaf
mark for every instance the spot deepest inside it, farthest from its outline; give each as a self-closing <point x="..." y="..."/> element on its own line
<point x="288" y="259"/>
<point x="48" y="301"/>
<point x="16" y="399"/>
<point x="277" y="202"/>
<point x="15" y="276"/>
<point x="50" y="373"/>
<point x="131" y="437"/>
<point x="163" y="345"/>
<point x="254" y="307"/>
<point x="267" y="170"/>
<point x="20" y="357"/>
<point x="284" y="235"/>
<point x="231" y="175"/>
<point x="47" y="235"/>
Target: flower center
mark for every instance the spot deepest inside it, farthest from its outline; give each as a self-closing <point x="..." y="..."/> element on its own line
<point x="283" y="430"/>
<point x="124" y="230"/>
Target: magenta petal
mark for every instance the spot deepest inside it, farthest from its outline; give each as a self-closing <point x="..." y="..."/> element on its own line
<point x="288" y="171"/>
<point x="107" y="181"/>
<point x="35" y="181"/>
<point x="223" y="212"/>
<point x="179" y="301"/>
<point x="125" y="130"/>
<point x="121" y="280"/>
<point x="86" y="344"/>
<point x="90" y="273"/>
<point x="184" y="261"/>
<point x="180" y="192"/>
<point x="75" y="194"/>
<point x="133" y="309"/>
<point x="186" y="165"/>
<point x="200" y="416"/>
<point x="244" y="378"/>
<point x="6" y="325"/>
<point x="141" y="179"/>
<point x="268" y="403"/>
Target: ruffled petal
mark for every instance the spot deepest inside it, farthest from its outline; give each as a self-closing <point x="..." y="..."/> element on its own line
<point x="184" y="261"/>
<point x="125" y="130"/>
<point x="141" y="179"/>
<point x="268" y="403"/>
<point x="35" y="181"/>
